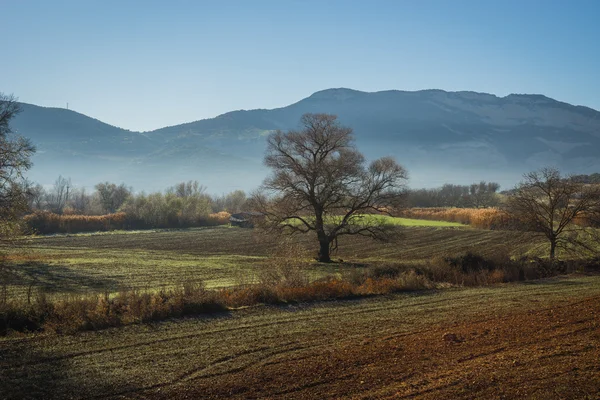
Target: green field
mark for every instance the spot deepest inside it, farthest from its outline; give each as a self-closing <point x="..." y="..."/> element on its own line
<point x="218" y="256"/>
<point x="398" y="221"/>
<point x="415" y="222"/>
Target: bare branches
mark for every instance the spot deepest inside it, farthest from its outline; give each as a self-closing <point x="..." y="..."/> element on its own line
<point x="15" y="154"/>
<point x="320" y="183"/>
<point x="549" y="204"/>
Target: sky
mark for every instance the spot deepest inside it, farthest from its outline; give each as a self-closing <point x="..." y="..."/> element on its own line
<point x="142" y="65"/>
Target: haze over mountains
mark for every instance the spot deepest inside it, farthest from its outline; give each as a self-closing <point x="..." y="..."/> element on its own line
<point x="457" y="137"/>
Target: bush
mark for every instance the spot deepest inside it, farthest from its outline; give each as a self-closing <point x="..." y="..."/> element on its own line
<point x="385" y="271"/>
<point x="471" y="262"/>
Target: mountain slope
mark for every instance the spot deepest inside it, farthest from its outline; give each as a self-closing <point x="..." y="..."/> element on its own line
<point x="440" y="136"/>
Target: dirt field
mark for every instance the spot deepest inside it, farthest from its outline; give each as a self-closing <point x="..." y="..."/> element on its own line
<point x="531" y="340"/>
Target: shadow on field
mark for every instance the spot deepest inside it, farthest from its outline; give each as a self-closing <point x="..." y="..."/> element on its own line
<point x="28" y="373"/>
<point x="59" y="279"/>
<point x="557" y="281"/>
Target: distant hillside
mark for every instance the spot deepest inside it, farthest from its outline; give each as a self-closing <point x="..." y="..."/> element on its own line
<point x="440" y="136"/>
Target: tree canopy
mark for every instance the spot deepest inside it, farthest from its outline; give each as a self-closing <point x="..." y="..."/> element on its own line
<point x="15" y="159"/>
<point x="321" y="183"/>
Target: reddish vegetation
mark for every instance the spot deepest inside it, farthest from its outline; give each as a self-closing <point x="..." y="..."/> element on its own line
<point x="588" y="220"/>
<point x="549" y="353"/>
<point x="484" y="218"/>
<point x="45" y="222"/>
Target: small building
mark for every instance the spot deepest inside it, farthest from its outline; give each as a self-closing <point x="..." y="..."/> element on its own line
<point x="244" y="219"/>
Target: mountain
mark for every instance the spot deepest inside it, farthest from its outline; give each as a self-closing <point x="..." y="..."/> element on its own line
<point x="439" y="136"/>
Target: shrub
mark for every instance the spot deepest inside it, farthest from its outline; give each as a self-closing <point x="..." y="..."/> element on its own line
<point x="385" y="271"/>
<point x="285" y="266"/>
<point x="471" y="262"/>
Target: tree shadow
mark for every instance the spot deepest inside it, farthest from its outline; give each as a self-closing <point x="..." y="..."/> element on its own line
<point x="59" y="279"/>
<point x="555" y="280"/>
<point x="28" y="372"/>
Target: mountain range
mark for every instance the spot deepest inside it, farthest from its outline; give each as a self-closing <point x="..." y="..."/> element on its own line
<point x="439" y="136"/>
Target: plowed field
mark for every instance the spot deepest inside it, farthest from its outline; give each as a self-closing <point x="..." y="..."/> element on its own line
<point x="529" y="340"/>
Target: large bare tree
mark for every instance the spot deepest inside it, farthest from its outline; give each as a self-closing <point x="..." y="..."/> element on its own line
<point x="550" y="204"/>
<point x="15" y="154"/>
<point x="320" y="183"/>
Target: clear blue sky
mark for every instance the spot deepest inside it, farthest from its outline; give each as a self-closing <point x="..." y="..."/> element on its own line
<point x="147" y="64"/>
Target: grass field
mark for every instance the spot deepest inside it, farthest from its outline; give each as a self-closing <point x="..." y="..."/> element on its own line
<point x="416" y="222"/>
<point x="527" y="340"/>
<point x="218" y="256"/>
<point x="399" y="221"/>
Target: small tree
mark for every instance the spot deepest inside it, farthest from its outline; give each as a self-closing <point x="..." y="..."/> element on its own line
<point x="112" y="196"/>
<point x="58" y="197"/>
<point x="234" y="201"/>
<point x="36" y="196"/>
<point x="549" y="204"/>
<point x="320" y="183"/>
<point x="483" y="194"/>
<point x="15" y="159"/>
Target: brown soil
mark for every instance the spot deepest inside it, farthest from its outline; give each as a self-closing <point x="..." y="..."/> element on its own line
<point x="550" y="353"/>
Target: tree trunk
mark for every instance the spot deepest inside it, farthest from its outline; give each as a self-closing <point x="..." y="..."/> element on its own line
<point x="324" y="251"/>
<point x="552" y="249"/>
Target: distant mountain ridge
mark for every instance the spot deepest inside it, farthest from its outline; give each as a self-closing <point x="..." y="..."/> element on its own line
<point x="440" y="136"/>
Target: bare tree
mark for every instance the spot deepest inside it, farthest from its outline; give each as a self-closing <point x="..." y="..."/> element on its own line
<point x="320" y="183"/>
<point x="234" y="201"/>
<point x="112" y="196"/>
<point x="483" y="194"/>
<point x="80" y="201"/>
<point x="15" y="154"/>
<point x="36" y="196"/>
<point x="58" y="197"/>
<point x="548" y="203"/>
<point x="188" y="189"/>
<point x="454" y="195"/>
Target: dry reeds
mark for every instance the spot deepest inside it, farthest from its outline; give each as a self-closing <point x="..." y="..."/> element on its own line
<point x="483" y="218"/>
<point x="45" y="222"/>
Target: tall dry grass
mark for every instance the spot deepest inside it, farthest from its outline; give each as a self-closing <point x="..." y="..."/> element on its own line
<point x="483" y="218"/>
<point x="45" y="222"/>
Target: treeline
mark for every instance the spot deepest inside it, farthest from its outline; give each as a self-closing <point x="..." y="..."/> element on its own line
<point x="478" y="195"/>
<point x="587" y="179"/>
<point x="64" y="209"/>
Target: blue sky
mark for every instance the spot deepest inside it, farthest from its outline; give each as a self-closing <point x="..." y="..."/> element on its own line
<point x="145" y="65"/>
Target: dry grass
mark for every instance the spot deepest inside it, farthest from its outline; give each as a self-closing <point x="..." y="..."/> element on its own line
<point x="45" y="222"/>
<point x="483" y="218"/>
<point x="214" y="219"/>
